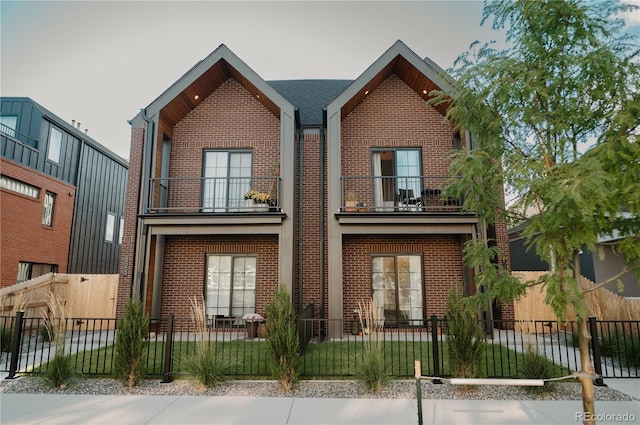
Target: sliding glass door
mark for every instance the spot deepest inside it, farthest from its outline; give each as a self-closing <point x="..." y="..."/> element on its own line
<point x="396" y="177"/>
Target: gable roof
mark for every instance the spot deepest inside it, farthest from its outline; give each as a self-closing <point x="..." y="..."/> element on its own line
<point x="310" y="97"/>
<point x="204" y="78"/>
<point x="422" y="75"/>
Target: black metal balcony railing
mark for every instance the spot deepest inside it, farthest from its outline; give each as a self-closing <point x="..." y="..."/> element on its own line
<point x="14" y="138"/>
<point x="213" y="195"/>
<point x="388" y="194"/>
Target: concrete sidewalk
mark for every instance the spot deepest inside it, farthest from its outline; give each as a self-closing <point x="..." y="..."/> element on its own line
<point x="134" y="409"/>
<point x="130" y="410"/>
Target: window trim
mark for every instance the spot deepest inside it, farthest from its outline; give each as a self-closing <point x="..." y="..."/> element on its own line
<point x="47" y="219"/>
<point x="58" y="146"/>
<point x="113" y="228"/>
<point x="231" y="284"/>
<point x="397" y="322"/>
<point x="204" y="198"/>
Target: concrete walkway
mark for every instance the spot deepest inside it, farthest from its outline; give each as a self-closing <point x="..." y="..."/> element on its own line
<point x="131" y="410"/>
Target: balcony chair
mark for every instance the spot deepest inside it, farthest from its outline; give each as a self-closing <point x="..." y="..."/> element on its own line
<point x="408" y="200"/>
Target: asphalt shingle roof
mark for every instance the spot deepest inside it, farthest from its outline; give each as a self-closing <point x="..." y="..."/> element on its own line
<point x="310" y="96"/>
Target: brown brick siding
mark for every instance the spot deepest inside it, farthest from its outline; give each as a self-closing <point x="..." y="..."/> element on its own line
<point x="24" y="237"/>
<point x="230" y="118"/>
<point x="394" y="116"/>
<point x="185" y="264"/>
<point x="442" y="266"/>
<point x="130" y="219"/>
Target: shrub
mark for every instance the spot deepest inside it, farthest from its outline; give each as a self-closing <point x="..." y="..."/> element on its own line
<point x="536" y="366"/>
<point x="132" y="332"/>
<point x="282" y="339"/>
<point x="46" y="332"/>
<point x="6" y="337"/>
<point x="370" y="366"/>
<point x="206" y="364"/>
<point x="465" y="339"/>
<point x="60" y="370"/>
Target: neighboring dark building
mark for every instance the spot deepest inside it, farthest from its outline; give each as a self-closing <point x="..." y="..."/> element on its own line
<point x="592" y="266"/>
<point x="45" y="161"/>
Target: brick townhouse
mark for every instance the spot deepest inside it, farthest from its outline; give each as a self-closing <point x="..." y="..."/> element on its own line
<point x="351" y="170"/>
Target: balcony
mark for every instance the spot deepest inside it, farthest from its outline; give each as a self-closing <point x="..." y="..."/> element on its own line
<point x="213" y="195"/>
<point x="395" y="194"/>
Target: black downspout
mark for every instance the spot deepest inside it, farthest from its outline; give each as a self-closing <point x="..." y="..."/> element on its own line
<point x="322" y="160"/>
<point x="300" y="204"/>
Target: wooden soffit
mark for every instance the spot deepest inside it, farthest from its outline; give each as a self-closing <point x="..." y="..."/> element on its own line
<point x="408" y="73"/>
<point x="189" y="98"/>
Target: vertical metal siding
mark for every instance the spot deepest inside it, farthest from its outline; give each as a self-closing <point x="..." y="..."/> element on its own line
<point x="100" y="189"/>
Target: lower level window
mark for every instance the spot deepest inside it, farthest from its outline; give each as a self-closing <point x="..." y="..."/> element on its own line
<point x="231" y="285"/>
<point x="28" y="271"/>
<point x="397" y="286"/>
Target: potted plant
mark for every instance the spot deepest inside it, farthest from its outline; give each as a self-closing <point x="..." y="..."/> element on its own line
<point x="252" y="320"/>
<point x="259" y="200"/>
<point x="350" y="201"/>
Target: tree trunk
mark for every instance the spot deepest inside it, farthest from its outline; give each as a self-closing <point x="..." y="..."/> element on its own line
<point x="586" y="367"/>
<point x="586" y="380"/>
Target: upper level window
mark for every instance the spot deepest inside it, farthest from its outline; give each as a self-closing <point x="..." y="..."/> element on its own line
<point x="397" y="286"/>
<point x="109" y="233"/>
<point x="17" y="186"/>
<point x="227" y="177"/>
<point x="47" y="213"/>
<point x="55" y="145"/>
<point x="8" y="124"/>
<point x="121" y="230"/>
<point x="396" y="172"/>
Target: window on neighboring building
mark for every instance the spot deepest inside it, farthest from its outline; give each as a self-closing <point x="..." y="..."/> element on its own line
<point x="398" y="171"/>
<point x="17" y="186"/>
<point x="109" y="233"/>
<point x="121" y="230"/>
<point x="27" y="270"/>
<point x="227" y="177"/>
<point x="397" y="286"/>
<point x="8" y="124"/>
<point x="47" y="213"/>
<point x="231" y="285"/>
<point x="55" y="145"/>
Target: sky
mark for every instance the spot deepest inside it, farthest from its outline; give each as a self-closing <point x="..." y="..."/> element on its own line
<point x="100" y="62"/>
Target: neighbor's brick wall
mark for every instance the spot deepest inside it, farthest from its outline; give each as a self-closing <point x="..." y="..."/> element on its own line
<point x="24" y="237"/>
<point x="442" y="266"/>
<point x="185" y="267"/>
<point x="130" y="218"/>
<point x="229" y="118"/>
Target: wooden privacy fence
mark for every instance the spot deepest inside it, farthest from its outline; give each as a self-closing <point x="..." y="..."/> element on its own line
<point x="87" y="295"/>
<point x="603" y="304"/>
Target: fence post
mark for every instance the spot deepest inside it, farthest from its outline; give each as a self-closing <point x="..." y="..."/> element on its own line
<point x="418" y="374"/>
<point x="168" y="351"/>
<point x="16" y="344"/>
<point x="434" y="349"/>
<point x="595" y="347"/>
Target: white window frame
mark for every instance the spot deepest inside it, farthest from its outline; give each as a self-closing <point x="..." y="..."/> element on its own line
<point x="49" y="206"/>
<point x="20" y="187"/>
<point x="55" y="145"/>
<point x="110" y="228"/>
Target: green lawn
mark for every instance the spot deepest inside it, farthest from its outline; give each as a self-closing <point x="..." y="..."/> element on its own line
<point x="332" y="359"/>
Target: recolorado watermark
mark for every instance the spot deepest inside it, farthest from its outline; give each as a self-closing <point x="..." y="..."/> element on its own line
<point x="606" y="417"/>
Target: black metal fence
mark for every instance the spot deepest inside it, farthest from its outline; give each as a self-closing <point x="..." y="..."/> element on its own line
<point x="330" y="348"/>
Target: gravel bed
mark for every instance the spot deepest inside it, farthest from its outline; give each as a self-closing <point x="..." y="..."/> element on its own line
<point x="309" y="389"/>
